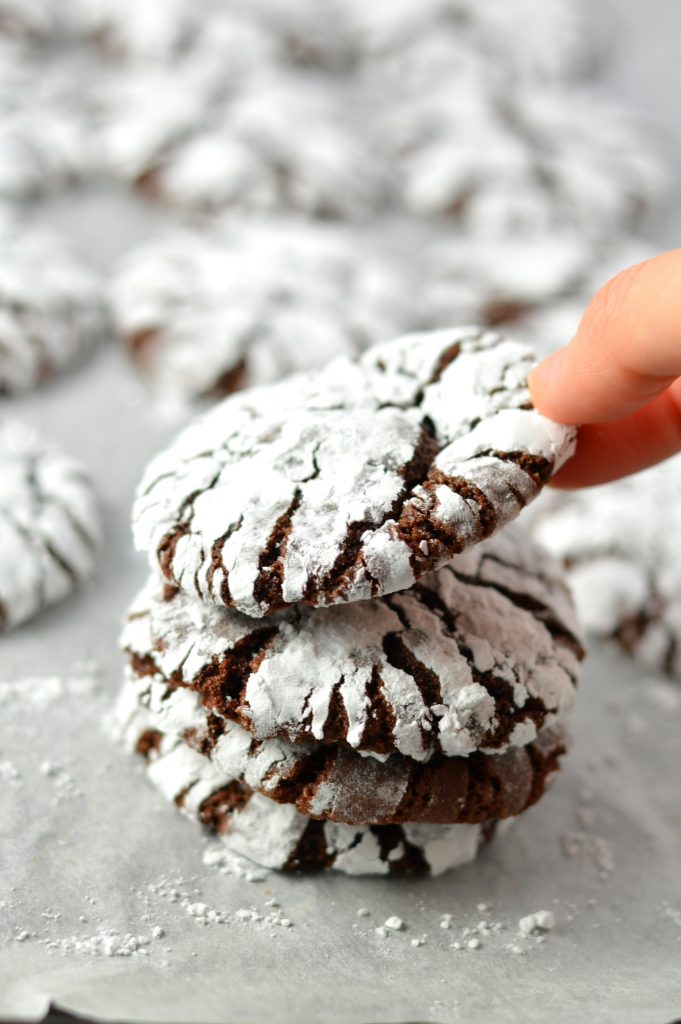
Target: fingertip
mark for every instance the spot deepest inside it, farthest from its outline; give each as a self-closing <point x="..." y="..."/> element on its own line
<point x="544" y="383"/>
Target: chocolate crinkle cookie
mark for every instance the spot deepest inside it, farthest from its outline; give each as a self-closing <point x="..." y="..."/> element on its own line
<point x="299" y="798"/>
<point x="44" y="139"/>
<point x="353" y="481"/>
<point x="252" y="301"/>
<point x="504" y="283"/>
<point x="624" y="566"/>
<point x="259" y="141"/>
<point x="531" y="164"/>
<point x="334" y="664"/>
<point x="52" y="307"/>
<point x="275" y="834"/>
<point x="49" y="525"/>
<point x="442" y="704"/>
<point x="478" y="655"/>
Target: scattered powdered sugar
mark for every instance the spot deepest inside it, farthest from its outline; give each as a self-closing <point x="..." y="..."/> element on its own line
<point x="584" y="843"/>
<point x="104" y="942"/>
<point x="540" y="921"/>
<point x="187" y="897"/>
<point x="42" y="691"/>
<point x="64" y="784"/>
<point x="674" y="915"/>
<point x="10" y="774"/>
<point x="532" y="928"/>
<point x="596" y="848"/>
<point x="229" y="863"/>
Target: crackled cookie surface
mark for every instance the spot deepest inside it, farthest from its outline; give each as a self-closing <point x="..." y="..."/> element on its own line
<point x="52" y="309"/>
<point x="478" y="655"/>
<point x="49" y="524"/>
<point x="332" y="782"/>
<point x="250" y="302"/>
<point x="619" y="544"/>
<point x="351" y="482"/>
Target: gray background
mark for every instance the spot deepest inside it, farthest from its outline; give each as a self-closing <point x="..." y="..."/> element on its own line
<point x="94" y="850"/>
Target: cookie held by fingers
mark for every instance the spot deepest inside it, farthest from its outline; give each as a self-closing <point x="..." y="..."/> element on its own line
<point x="353" y="481"/>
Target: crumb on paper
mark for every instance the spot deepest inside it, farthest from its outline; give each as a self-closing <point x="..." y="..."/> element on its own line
<point x="540" y="921"/>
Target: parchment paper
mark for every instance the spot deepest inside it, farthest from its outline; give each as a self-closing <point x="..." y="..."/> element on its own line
<point x="92" y="859"/>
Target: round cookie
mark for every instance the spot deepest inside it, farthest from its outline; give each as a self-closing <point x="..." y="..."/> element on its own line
<point x="49" y="525"/>
<point x="262" y="140"/>
<point x="476" y="656"/>
<point x="52" y="309"/>
<point x="252" y="301"/>
<point x="353" y="481"/>
<point x="503" y="282"/>
<point x="334" y="783"/>
<point x="277" y="836"/>
<point x="43" y="136"/>
<point x="619" y="547"/>
<point x="519" y="161"/>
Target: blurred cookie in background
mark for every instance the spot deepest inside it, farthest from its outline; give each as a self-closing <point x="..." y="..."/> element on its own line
<point x="250" y="301"/>
<point x="619" y="546"/>
<point x="49" y="524"/>
<point x="53" y="310"/>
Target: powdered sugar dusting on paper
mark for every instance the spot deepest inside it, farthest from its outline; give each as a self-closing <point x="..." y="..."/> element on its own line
<point x="41" y="691"/>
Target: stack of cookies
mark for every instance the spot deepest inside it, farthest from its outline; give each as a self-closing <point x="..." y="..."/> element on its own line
<point x="333" y="662"/>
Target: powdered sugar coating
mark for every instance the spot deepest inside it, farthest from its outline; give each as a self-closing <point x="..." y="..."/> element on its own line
<point x="49" y="525"/>
<point x="125" y="28"/>
<point x="252" y="301"/>
<point x="509" y="162"/>
<point x="43" y="138"/>
<point x="274" y="835"/>
<point x="504" y="281"/>
<point x="269" y="140"/>
<point x="477" y="655"/>
<point x="335" y="783"/>
<point x="353" y="481"/>
<point x="52" y="309"/>
<point x="619" y="545"/>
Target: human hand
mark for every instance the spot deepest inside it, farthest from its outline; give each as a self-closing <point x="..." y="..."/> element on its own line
<point x="620" y="376"/>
